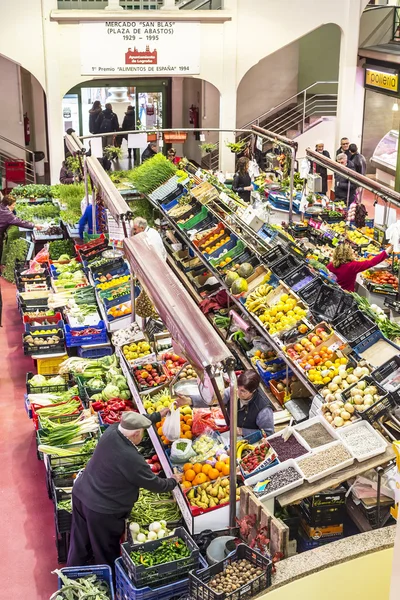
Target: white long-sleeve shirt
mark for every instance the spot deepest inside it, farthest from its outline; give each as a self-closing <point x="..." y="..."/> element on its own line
<point x="155" y="240"/>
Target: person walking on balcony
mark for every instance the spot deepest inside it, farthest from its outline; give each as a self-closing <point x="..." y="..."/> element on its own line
<point x="128" y="124"/>
<point x="319" y="169"/>
<point x="358" y="160"/>
<point x="94" y="113"/>
<point x="107" y="122"/>
<point x="344" y="148"/>
<point x="242" y="181"/>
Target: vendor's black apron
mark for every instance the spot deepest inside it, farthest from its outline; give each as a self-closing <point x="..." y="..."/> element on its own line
<point x="247" y="415"/>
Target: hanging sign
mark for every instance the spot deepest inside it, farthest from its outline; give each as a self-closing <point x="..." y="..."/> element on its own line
<point x="140" y="48"/>
<point x="385" y="79"/>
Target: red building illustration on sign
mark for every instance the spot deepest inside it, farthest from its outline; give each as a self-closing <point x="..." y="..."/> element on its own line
<point x="136" y="57"/>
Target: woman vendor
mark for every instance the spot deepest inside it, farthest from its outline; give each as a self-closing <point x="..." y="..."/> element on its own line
<point x="254" y="409"/>
<point x="346" y="268"/>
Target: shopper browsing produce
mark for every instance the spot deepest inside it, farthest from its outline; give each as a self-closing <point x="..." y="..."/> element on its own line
<point x="7" y="218"/>
<point x="140" y="225"/>
<point x="94" y="113"/>
<point x="242" y="181"/>
<point x="254" y="409"/>
<point x="104" y="494"/>
<point x="149" y="152"/>
<point x="346" y="267"/>
<point x="172" y="157"/>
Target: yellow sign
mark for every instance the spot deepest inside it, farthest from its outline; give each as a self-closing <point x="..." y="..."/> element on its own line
<point x="379" y="79"/>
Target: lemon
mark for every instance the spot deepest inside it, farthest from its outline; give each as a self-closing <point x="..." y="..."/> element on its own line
<point x="280" y="306"/>
<point x="343" y="361"/>
<point x="274" y="311"/>
<point x="284" y="297"/>
<point x="326" y="380"/>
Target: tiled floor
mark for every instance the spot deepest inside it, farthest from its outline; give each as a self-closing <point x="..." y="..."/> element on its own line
<point x="27" y="550"/>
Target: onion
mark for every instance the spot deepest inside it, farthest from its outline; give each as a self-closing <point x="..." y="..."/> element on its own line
<point x="368" y="399"/>
<point x="349" y="407"/>
<point x="141" y="538"/>
<point x="156" y="526"/>
<point x="325" y="391"/>
<point x="346" y="423"/>
<point x="161" y="534"/>
<point x="134" y="527"/>
<point x="333" y="387"/>
<point x="330" y="398"/>
<point x="345" y="415"/>
<point x="328" y="417"/>
<point x="337" y="380"/>
<point x="358" y="372"/>
<point x="338" y="422"/>
<point x="370" y="390"/>
<point x="365" y="370"/>
<point x="333" y="407"/>
<point x="163" y="524"/>
<point x="361" y="385"/>
<point x="355" y="391"/>
<point x="351" y="379"/>
<point x="152" y="535"/>
<point x="338" y="396"/>
<point x="358" y="399"/>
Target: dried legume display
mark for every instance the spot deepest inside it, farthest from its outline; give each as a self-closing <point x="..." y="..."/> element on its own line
<point x="291" y="448"/>
<point x="324" y="459"/>
<point x="316" y="435"/>
<point x="276" y="481"/>
<point x="361" y="440"/>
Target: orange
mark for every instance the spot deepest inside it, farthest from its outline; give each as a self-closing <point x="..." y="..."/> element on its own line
<point x="189" y="421"/>
<point x="213" y="474"/>
<point x="219" y="465"/>
<point x="186" y="484"/>
<point x="197" y="468"/>
<point x="199" y="479"/>
<point x="206" y="468"/>
<point x="185" y="428"/>
<point x="158" y="424"/>
<point x="188" y="435"/>
<point x="182" y="418"/>
<point x="187" y="466"/>
<point x="190" y="475"/>
<point x="227" y="460"/>
<point x="225" y="469"/>
<point x="160" y="431"/>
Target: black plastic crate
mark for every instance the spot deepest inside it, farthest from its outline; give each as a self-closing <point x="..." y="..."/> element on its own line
<point x="56" y="389"/>
<point x="61" y="467"/>
<point x="355" y="327"/>
<point x="63" y="520"/>
<point x="322" y="516"/>
<point x="327" y="303"/>
<point x="199" y="590"/>
<point x="62" y="545"/>
<point x="295" y="278"/>
<point x="384" y="406"/>
<point x="284" y="266"/>
<point x="20" y="280"/>
<point x="167" y="572"/>
<point x="310" y="292"/>
<point x="274" y="254"/>
<point x="113" y="263"/>
<point x="382" y="374"/>
<point x="44" y="349"/>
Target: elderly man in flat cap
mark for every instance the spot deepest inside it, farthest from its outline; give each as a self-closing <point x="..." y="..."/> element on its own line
<point x="105" y="492"/>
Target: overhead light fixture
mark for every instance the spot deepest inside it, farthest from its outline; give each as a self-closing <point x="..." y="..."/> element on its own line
<point x="395" y="107"/>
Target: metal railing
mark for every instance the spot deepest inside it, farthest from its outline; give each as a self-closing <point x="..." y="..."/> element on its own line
<point x="6" y="155"/>
<point x="296" y="114"/>
<point x="140" y="4"/>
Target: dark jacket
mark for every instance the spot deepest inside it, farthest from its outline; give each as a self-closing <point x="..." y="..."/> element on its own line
<point x="238" y="185"/>
<point x="128" y="124"/>
<point x="359" y="162"/>
<point x="322" y="171"/>
<point x="7" y="218"/>
<point x="257" y="414"/>
<point x="148" y="153"/>
<point x="346" y="152"/>
<point x="93" y="116"/>
<point x="342" y="186"/>
<point x="111" y="125"/>
<point x="112" y="479"/>
<point x="66" y="176"/>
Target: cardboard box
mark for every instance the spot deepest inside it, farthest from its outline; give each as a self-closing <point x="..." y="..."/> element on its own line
<point x="316" y="533"/>
<point x="256" y="278"/>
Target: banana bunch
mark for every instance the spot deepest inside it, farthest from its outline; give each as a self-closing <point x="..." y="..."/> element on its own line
<point x="241" y="446"/>
<point x="257" y="300"/>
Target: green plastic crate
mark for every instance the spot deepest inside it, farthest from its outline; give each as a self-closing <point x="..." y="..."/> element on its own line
<point x="92" y="236"/>
<point x="194" y="220"/>
<point x="238" y="249"/>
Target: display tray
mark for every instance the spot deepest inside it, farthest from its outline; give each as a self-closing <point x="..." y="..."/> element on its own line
<point x="346" y="433"/>
<point x="285" y="488"/>
<point x="330" y="470"/>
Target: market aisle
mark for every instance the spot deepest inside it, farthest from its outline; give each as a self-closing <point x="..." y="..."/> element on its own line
<point x="27" y="551"/>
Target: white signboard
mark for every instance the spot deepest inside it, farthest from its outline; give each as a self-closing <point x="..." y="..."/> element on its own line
<point x="140" y="48"/>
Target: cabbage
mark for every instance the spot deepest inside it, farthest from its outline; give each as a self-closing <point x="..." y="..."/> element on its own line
<point x="110" y="391"/>
<point x="120" y="382"/>
<point x="39" y="380"/>
<point x="95" y="383"/>
<point x="125" y="394"/>
<point x="56" y="380"/>
<point x="97" y="397"/>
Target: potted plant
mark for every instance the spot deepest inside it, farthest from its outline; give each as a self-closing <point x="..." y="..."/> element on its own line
<point x="236" y="147"/>
<point x="111" y="152"/>
<point x="208" y="147"/>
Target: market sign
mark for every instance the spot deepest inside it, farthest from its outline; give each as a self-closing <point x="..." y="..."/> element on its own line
<point x="126" y="48"/>
<point x="385" y="80"/>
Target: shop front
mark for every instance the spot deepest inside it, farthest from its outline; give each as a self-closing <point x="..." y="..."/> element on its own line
<point x="381" y="121"/>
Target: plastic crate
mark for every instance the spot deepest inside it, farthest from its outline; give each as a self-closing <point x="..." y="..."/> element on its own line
<point x="274" y="254"/>
<point x="37" y="408"/>
<point x="45" y="389"/>
<point x="384" y="406"/>
<point x="284" y="266"/>
<point x="88" y="351"/>
<point x="102" y="572"/>
<point x="50" y="366"/>
<point x="86" y="392"/>
<point x="195" y="220"/>
<point x="199" y="590"/>
<point x="116" y="272"/>
<point x="355" y="327"/>
<point x="382" y="373"/>
<point x="82" y="340"/>
<point x="44" y="349"/>
<point x="62" y="545"/>
<point x="218" y="253"/>
<point x="346" y="394"/>
<point x="53" y="319"/>
<point x="125" y="590"/>
<point x="327" y="303"/>
<point x="371" y="341"/>
<point x="310" y="292"/>
<point x="63" y="519"/>
<point x="235" y="251"/>
<point x="299" y="278"/>
<point x="167" y="572"/>
<point x="266" y="376"/>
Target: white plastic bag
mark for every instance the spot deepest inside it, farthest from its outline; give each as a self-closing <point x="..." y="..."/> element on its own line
<point x="182" y="456"/>
<point x="172" y="424"/>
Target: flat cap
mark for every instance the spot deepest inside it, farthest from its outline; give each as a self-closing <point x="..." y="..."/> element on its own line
<point x="133" y="420"/>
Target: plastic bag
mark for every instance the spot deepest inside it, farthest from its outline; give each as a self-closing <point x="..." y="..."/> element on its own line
<point x="205" y="419"/>
<point x="172" y="424"/>
<point x="43" y="255"/>
<point x="180" y="455"/>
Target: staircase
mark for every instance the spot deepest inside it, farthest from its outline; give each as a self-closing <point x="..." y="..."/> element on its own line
<point x="292" y="117"/>
<point x="7" y="147"/>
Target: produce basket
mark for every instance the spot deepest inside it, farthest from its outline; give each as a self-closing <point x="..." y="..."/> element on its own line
<point x="387" y="376"/>
<point x="102" y="572"/>
<point x="63" y="519"/>
<point x="50" y="365"/>
<point x="376" y="359"/>
<point x="284" y="266"/>
<point x="285" y="488"/>
<point x="198" y="581"/>
<point x="195" y="220"/>
<point x="95" y="351"/>
<point x="299" y="278"/>
<point x="83" y="338"/>
<point x="384" y="406"/>
<point x="167" y="572"/>
<point x="268" y="374"/>
<point x="355" y="327"/>
<point x="30" y="389"/>
<point x="369" y="380"/>
<point x="327" y="304"/>
<point x="235" y="251"/>
<point x="310" y="292"/>
<point x="55" y="348"/>
<point x="205" y="241"/>
<point x="219" y="252"/>
<point x="104" y="269"/>
<point x="279" y="395"/>
<point x="52" y="319"/>
<point x="270" y="461"/>
<point x="86" y="392"/>
<point x="36" y="409"/>
<point x="116" y="271"/>
<point x="29" y="328"/>
<point x="29" y="283"/>
<point x="328" y="471"/>
<point x="274" y="254"/>
<point x="127" y="591"/>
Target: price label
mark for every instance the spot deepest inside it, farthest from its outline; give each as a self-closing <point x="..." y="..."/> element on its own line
<point x="224" y="197"/>
<point x="202" y="137"/>
<point x="160" y="143"/>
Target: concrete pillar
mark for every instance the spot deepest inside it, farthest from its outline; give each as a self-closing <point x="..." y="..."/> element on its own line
<point x="228" y="89"/>
<point x="170" y="5"/>
<point x="350" y="94"/>
<point x="177" y="109"/>
<point x="114" y="6"/>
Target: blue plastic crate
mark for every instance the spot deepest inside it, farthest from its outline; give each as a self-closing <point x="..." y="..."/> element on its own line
<point x="116" y="272"/>
<point x="82" y="340"/>
<point x="266" y="376"/>
<point x="102" y="572"/>
<point x="115" y="301"/>
<point x="88" y="351"/>
<point x="27" y="406"/>
<point x="125" y="590"/>
<point x="370" y="341"/>
<point x="228" y="246"/>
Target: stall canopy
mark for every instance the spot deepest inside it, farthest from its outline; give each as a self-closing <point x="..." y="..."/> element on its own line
<point x="111" y="196"/>
<point x="182" y="317"/>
